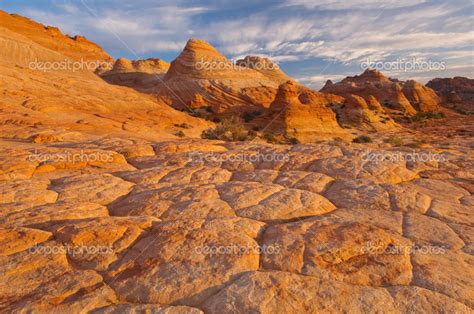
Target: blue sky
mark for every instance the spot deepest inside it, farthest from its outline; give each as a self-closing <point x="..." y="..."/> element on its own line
<point x="311" y="40"/>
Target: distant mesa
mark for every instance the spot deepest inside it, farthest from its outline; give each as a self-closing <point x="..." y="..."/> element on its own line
<point x="454" y="98"/>
<point x="457" y="88"/>
<point x="456" y="93"/>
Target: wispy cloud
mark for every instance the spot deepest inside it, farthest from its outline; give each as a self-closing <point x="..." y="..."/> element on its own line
<point x="152" y="27"/>
<point x="354" y="4"/>
<point x="337" y="33"/>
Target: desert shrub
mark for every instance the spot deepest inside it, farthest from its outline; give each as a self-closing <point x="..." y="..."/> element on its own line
<point x="197" y="114"/>
<point x="463" y="111"/>
<point x="183" y="125"/>
<point x="394" y="140"/>
<point x="460" y="111"/>
<point x="362" y="139"/>
<point x="250" y="115"/>
<point x="179" y="134"/>
<point x="415" y="144"/>
<point x="270" y="138"/>
<point x="207" y="108"/>
<point x="293" y="141"/>
<point x="390" y="105"/>
<point x="251" y="134"/>
<point x="228" y="130"/>
<point x="421" y="116"/>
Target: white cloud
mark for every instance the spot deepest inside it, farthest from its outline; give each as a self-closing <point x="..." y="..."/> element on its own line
<point x="152" y="27"/>
<point x="319" y="80"/>
<point x="299" y="30"/>
<point x="353" y="4"/>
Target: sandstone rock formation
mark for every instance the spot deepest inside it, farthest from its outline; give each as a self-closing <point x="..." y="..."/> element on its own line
<point x="76" y="48"/>
<point x="463" y="87"/>
<point x="226" y="87"/>
<point x="264" y="66"/>
<point x="142" y="75"/>
<point x="356" y="112"/>
<point x="35" y="77"/>
<point x="423" y="98"/>
<point x="301" y="113"/>
<point x="407" y="97"/>
<point x="457" y="93"/>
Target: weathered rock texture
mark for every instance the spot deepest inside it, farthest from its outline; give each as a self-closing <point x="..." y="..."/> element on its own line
<point x="193" y="228"/>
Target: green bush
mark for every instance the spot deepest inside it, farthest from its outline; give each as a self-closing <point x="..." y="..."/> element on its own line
<point x="395" y="141"/>
<point x="228" y="130"/>
<point x="421" y="116"/>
